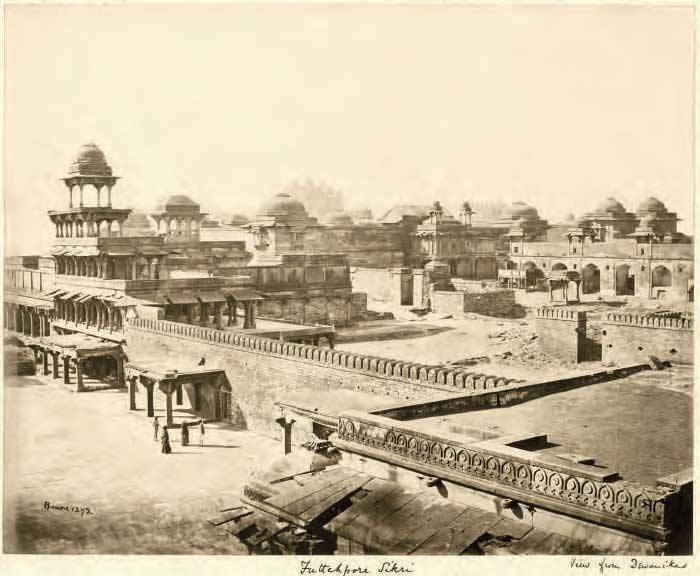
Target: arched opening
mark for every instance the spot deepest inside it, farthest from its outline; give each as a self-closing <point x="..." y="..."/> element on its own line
<point x="485" y="268"/>
<point x="624" y="281"/>
<point x="453" y="268"/>
<point x="101" y="368"/>
<point x="661" y="276"/>
<point x="103" y="228"/>
<point x="142" y="268"/>
<point x="559" y="267"/>
<point x="590" y="279"/>
<point x="534" y="277"/>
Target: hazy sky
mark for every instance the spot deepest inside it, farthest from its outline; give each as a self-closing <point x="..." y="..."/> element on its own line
<point x="558" y="106"/>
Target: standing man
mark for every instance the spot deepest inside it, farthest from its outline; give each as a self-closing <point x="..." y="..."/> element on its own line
<point x="155" y="429"/>
<point x="165" y="442"/>
<point x="201" y="433"/>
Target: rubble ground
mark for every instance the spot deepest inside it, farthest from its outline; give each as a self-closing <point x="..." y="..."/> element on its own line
<point x="501" y="346"/>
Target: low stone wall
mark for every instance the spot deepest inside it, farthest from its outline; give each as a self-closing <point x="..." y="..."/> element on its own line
<point x="499" y="302"/>
<point x="262" y="370"/>
<point x="561" y="333"/>
<point x="507" y="469"/>
<point x="338" y="307"/>
<point x="375" y="282"/>
<point x="633" y="338"/>
<point x="498" y="393"/>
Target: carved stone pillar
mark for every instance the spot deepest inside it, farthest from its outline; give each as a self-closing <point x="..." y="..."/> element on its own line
<point x="169" y="405"/>
<point x="149" y="399"/>
<point x="286" y="425"/>
<point x="219" y="315"/>
<point x="253" y="312"/>
<point x="246" y="314"/>
<point x="132" y="393"/>
<point x="232" y="312"/>
<point x="120" y="371"/>
<point x="79" y="374"/>
<point x="66" y="370"/>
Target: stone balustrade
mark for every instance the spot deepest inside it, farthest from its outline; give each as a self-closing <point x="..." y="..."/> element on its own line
<point x="529" y="476"/>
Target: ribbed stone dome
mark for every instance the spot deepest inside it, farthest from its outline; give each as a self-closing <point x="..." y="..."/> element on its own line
<point x="338" y="218"/>
<point x="652" y="204"/>
<point x="238" y="220"/>
<point x="283" y="204"/>
<point x="610" y="205"/>
<point x="90" y="161"/>
<point x="178" y="201"/>
<point x="521" y="210"/>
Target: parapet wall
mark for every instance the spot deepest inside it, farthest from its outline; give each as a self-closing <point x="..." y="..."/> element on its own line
<point x="561" y="333"/>
<point x="634" y="337"/>
<point x="488" y="302"/>
<point x="560" y="313"/>
<point x="667" y="321"/>
<point x="260" y="370"/>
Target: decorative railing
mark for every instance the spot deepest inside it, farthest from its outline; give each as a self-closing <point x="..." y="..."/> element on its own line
<point x="512" y="468"/>
<point x="560" y="313"/>
<point x="650" y="321"/>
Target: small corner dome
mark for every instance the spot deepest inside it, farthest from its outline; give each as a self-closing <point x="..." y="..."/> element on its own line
<point x="652" y="204"/>
<point x="522" y="211"/>
<point x="239" y="220"/>
<point x="282" y="204"/>
<point x="179" y="201"/>
<point x="582" y="222"/>
<point x="610" y="205"/>
<point x="338" y="218"/>
<point x="90" y="160"/>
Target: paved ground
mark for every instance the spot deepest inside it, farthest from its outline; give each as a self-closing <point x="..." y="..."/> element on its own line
<point x="641" y="426"/>
<point x="87" y="450"/>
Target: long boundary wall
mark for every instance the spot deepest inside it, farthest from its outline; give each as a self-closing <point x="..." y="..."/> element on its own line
<point x="261" y="370"/>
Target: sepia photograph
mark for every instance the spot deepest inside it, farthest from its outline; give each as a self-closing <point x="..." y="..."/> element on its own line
<point x="345" y="280"/>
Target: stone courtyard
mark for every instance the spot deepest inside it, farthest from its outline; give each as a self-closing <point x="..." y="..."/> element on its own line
<point x="87" y="451"/>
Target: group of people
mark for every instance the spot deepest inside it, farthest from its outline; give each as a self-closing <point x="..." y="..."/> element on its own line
<point x="184" y="435"/>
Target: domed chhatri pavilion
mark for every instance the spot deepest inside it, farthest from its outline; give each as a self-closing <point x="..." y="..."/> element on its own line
<point x="283" y="226"/>
<point x="611" y="220"/>
<point x="89" y="176"/>
<point x="665" y="222"/>
<point x="524" y="222"/>
<point x="178" y="218"/>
